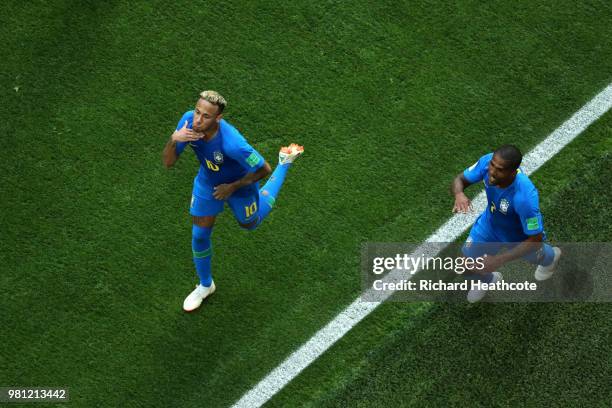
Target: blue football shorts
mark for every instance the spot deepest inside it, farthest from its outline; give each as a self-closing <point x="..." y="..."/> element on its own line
<point x="483" y="241"/>
<point x="244" y="203"/>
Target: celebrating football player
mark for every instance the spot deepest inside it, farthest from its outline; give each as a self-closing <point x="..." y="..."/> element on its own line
<point x="512" y="220"/>
<point x="230" y="170"/>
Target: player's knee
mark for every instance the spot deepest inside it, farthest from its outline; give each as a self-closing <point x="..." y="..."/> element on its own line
<point x="204" y="221"/>
<point x="250" y="226"/>
<point x="201" y="234"/>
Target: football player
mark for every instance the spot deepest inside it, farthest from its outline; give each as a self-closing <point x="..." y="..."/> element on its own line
<point x="230" y="169"/>
<point x="511" y="222"/>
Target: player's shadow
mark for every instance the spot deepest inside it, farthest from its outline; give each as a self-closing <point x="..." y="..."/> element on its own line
<point x="573" y="280"/>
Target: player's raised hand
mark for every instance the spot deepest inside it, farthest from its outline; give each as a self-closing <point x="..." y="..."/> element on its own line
<point x="185" y="134"/>
<point x="462" y="204"/>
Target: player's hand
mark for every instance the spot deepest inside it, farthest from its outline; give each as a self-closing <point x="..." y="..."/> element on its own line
<point x="491" y="264"/>
<point x="462" y="204"/>
<point x="185" y="135"/>
<point x="223" y="191"/>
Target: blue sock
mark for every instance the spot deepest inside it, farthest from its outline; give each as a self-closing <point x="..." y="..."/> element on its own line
<point x="547" y="256"/>
<point x="202" y="252"/>
<point x="269" y="192"/>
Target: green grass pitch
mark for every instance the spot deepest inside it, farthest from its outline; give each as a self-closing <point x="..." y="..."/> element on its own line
<point x="391" y="99"/>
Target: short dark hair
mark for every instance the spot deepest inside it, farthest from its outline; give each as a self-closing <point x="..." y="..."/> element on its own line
<point x="512" y="154"/>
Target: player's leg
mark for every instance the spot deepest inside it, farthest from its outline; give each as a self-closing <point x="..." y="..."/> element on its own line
<point x="245" y="206"/>
<point x="204" y="212"/>
<point x="202" y="248"/>
<point x="251" y="206"/>
<point x="479" y="243"/>
<point x="546" y="258"/>
<point x="269" y="192"/>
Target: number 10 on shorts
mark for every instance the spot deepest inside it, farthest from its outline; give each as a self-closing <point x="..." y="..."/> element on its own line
<point x="250" y="209"/>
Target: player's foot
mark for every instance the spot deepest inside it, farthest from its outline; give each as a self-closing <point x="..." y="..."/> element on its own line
<point x="195" y="298"/>
<point x="475" y="295"/>
<point x="290" y="153"/>
<point x="546" y="272"/>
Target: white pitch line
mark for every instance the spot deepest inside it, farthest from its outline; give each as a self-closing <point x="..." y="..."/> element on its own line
<point x="449" y="232"/>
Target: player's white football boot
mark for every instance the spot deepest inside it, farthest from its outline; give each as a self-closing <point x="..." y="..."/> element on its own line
<point x="195" y="298"/>
<point x="546" y="272"/>
<point x="290" y="153"/>
<point x="475" y="295"/>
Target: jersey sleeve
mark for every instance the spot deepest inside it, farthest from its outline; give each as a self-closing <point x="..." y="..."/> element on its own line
<point x="240" y="150"/>
<point x="187" y="117"/>
<point x="528" y="209"/>
<point x="477" y="171"/>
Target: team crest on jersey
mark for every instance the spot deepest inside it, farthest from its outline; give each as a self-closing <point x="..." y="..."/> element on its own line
<point x="504" y="205"/>
<point x="218" y="157"/>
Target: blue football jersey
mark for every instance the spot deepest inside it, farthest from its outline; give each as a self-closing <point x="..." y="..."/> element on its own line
<point x="225" y="158"/>
<point x="513" y="213"/>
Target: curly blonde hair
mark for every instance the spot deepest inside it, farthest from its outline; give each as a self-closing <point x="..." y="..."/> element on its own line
<point x="215" y="98"/>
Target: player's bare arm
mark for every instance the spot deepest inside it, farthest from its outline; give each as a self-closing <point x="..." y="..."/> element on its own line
<point x="531" y="244"/>
<point x="462" y="202"/>
<point x="223" y="191"/>
<point x="182" y="135"/>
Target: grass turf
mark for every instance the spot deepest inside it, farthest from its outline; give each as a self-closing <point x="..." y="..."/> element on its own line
<point x="544" y="354"/>
<point x="95" y="233"/>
